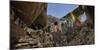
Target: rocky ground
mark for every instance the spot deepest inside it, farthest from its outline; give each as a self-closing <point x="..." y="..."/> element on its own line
<point x="40" y="39"/>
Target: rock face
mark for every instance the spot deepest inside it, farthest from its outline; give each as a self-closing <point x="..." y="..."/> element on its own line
<point x="85" y="33"/>
<point x="26" y="15"/>
<point x="52" y="19"/>
<point x="28" y="12"/>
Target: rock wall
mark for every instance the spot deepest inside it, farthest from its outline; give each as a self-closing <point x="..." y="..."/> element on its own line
<point x="26" y="15"/>
<point x="28" y="12"/>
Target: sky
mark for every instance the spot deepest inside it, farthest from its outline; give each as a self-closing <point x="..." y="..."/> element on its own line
<point x="60" y="10"/>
